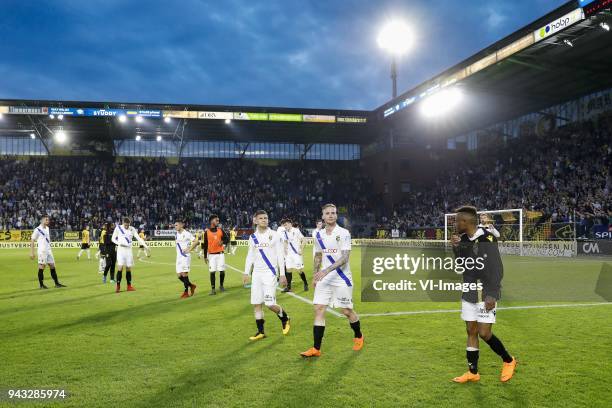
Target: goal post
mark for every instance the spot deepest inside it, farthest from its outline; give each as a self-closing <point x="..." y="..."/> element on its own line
<point x="510" y="224"/>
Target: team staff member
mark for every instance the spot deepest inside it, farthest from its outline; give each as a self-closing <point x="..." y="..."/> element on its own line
<point x="214" y="243"/>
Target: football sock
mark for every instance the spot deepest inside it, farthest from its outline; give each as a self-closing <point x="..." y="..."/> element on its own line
<point x="119" y="276"/>
<point x="498" y="347"/>
<point x="356" y="326"/>
<point x="260" y="325"/>
<point x="303" y="276"/>
<point x="289" y="276"/>
<point x="128" y="277"/>
<point x="186" y="282"/>
<point x="472" y="358"/>
<point x="182" y="279"/>
<point x="54" y="276"/>
<point x="282" y="315"/>
<point x="212" y="280"/>
<point x="221" y="278"/>
<point x="41" y="276"/>
<point x="317" y="332"/>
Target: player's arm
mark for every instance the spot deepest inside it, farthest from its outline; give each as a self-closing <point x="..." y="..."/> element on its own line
<point x="33" y="238"/>
<point x="116" y="239"/>
<point x="194" y="243"/>
<point x="205" y="246"/>
<point x="493" y="273"/>
<point x="494" y="231"/>
<point x="224" y="237"/>
<point x="249" y="262"/>
<point x="302" y="241"/>
<point x="280" y="259"/>
<point x="141" y="241"/>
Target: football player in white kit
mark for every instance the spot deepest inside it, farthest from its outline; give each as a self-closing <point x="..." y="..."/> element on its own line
<point x="185" y="243"/>
<point x="318" y="227"/>
<point x="42" y="237"/>
<point x="486" y="222"/>
<point x="266" y="258"/>
<point x="293" y="241"/>
<point x="333" y="283"/>
<point x="123" y="236"/>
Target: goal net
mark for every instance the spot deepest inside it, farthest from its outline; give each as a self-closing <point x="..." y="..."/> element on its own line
<point x="509" y="224"/>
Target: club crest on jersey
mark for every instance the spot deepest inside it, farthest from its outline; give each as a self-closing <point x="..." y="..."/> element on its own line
<point x="270" y="237"/>
<point x="337" y="238"/>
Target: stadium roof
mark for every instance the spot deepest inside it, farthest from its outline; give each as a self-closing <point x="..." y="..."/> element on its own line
<point x="533" y="68"/>
<point x="99" y="120"/>
<point x="559" y="57"/>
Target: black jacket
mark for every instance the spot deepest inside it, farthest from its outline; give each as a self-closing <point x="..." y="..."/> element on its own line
<point x="484" y="246"/>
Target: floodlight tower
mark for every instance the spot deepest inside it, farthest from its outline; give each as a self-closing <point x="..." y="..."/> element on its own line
<point x="395" y="38"/>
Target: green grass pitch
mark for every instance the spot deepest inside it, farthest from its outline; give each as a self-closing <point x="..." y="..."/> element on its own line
<point x="151" y="349"/>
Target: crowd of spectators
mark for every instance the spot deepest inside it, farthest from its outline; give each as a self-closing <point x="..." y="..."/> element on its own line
<point x="154" y="193"/>
<point x="564" y="175"/>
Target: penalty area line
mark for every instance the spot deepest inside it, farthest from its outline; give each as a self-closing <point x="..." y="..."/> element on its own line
<point x="419" y="312"/>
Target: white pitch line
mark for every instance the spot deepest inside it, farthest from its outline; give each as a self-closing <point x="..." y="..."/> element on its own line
<point x="303" y="299"/>
<point x="418" y="312"/>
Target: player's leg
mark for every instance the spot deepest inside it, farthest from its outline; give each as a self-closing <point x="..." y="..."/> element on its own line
<point x="128" y="278"/>
<point x="289" y="275"/>
<point x="322" y="298"/>
<point x="303" y="277"/>
<point x="257" y="299"/>
<point x="343" y="298"/>
<point x="221" y="269"/>
<point x="184" y="279"/>
<point x="212" y="268"/>
<point x="119" y="273"/>
<point x="270" y="302"/>
<point x="80" y="252"/>
<point x="88" y="252"/>
<point x="485" y="332"/>
<point x="51" y="262"/>
<point x="469" y="313"/>
<point x="41" y="274"/>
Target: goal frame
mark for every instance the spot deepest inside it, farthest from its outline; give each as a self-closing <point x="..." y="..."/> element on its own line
<point x="519" y="210"/>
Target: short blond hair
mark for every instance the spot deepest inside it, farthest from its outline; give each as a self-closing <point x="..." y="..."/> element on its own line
<point x="327" y="206"/>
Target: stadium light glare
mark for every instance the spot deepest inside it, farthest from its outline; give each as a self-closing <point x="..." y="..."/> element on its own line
<point x="395" y="37"/>
<point x="138" y="138"/>
<point x="60" y="137"/>
<point x="158" y="138"/>
<point x="568" y="43"/>
<point x="605" y="26"/>
<point x="1" y="115"/>
<point x="139" y="119"/>
<point x="32" y="136"/>
<point x="52" y="116"/>
<point x="441" y="102"/>
<point x="167" y="119"/>
<point x="60" y="117"/>
<point x="228" y="121"/>
<point x="122" y="118"/>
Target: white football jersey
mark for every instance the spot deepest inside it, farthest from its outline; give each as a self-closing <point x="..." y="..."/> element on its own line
<point x="331" y="246"/>
<point x="123" y="237"/>
<point x="183" y="241"/>
<point x="42" y="237"/>
<point x="265" y="254"/>
<point x="293" y="239"/>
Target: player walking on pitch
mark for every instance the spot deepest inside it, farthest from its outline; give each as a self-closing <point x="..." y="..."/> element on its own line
<point x="123" y="236"/>
<point x="294" y="248"/>
<point x="333" y="283"/>
<point x="42" y="237"/>
<point x="185" y="243"/>
<point x="265" y="258"/>
<point x="479" y="317"/>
